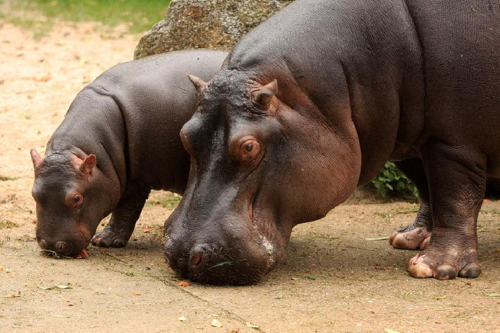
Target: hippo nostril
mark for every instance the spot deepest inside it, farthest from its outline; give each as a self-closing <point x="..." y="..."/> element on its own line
<point x="60" y="246"/>
<point x="196" y="259"/>
<point x="43" y="244"/>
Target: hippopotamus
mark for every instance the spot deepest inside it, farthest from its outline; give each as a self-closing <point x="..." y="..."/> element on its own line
<point x="118" y="141"/>
<point x="312" y="103"/>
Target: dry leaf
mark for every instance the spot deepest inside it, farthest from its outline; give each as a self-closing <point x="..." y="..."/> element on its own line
<point x="43" y="78"/>
<point x="61" y="316"/>
<point x="184" y="284"/>
<point x="252" y="325"/>
<point x="377" y="238"/>
<point x="56" y="287"/>
<point x="216" y="323"/>
<point x="182" y="319"/>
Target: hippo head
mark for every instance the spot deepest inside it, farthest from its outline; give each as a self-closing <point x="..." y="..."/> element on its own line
<point x="72" y="196"/>
<point x="258" y="168"/>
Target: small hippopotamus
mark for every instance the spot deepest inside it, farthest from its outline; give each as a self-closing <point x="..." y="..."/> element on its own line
<point x="119" y="140"/>
<point x="313" y="102"/>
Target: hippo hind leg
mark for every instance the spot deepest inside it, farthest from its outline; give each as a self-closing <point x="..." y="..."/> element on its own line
<point x="119" y="229"/>
<point x="457" y="182"/>
<point x="417" y="234"/>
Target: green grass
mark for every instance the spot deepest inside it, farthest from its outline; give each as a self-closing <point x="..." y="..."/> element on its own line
<point x="167" y="200"/>
<point x="40" y="15"/>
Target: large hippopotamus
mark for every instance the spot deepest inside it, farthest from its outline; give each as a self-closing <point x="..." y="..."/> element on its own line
<point x="119" y="140"/>
<point x="313" y="102"/>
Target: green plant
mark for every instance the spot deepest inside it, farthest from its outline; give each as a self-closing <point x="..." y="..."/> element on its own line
<point x="41" y="15"/>
<point x="167" y="200"/>
<point x="391" y="181"/>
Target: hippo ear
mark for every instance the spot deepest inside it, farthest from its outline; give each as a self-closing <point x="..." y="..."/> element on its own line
<point x="36" y="158"/>
<point x="262" y="96"/>
<point x="198" y="83"/>
<point x="88" y="165"/>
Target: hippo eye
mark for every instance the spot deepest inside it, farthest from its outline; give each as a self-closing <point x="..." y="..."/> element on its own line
<point x="249" y="149"/>
<point x="77" y="199"/>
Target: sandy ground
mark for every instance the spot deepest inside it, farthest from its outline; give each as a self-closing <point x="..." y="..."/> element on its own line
<point x="333" y="279"/>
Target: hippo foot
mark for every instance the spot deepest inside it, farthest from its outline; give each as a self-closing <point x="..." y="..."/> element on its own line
<point x="109" y="238"/>
<point x="410" y="238"/>
<point x="439" y="266"/>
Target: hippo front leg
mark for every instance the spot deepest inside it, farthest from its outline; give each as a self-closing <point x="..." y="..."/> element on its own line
<point x="119" y="229"/>
<point x="417" y="234"/>
<point x="457" y="181"/>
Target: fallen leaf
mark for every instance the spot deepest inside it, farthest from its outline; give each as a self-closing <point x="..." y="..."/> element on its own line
<point x="182" y="319"/>
<point x="62" y="316"/>
<point x="388" y="330"/>
<point x="56" y="287"/>
<point x="43" y="78"/>
<point x="252" y="325"/>
<point x="136" y="293"/>
<point x="147" y="231"/>
<point x="11" y="296"/>
<point x="183" y="284"/>
<point x="486" y="200"/>
<point x="377" y="238"/>
<point x="216" y="323"/>
<point x="64" y="287"/>
<point x="492" y="295"/>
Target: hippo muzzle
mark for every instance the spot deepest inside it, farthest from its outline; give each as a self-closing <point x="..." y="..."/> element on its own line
<point x="225" y="256"/>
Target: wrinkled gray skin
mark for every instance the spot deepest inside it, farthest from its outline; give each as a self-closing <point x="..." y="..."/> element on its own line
<point x="313" y="102"/>
<point x="119" y="140"/>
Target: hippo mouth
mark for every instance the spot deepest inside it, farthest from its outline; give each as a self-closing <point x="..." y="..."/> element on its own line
<point x="83" y="254"/>
<point x="237" y="263"/>
<point x="67" y="248"/>
<point x="227" y="271"/>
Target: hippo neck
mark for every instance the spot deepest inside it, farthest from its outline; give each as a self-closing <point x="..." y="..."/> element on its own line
<point x="358" y="62"/>
<point x="102" y="133"/>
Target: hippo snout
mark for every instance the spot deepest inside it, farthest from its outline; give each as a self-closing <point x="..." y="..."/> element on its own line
<point x="64" y="248"/>
<point x="216" y="264"/>
<point x="188" y="262"/>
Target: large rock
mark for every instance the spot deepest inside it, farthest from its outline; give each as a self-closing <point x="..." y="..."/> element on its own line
<point x="212" y="24"/>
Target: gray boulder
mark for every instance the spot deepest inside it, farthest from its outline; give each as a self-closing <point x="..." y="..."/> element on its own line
<point x="211" y="24"/>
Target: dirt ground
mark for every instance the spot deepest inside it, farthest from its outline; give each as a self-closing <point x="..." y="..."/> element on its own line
<point x="333" y="278"/>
